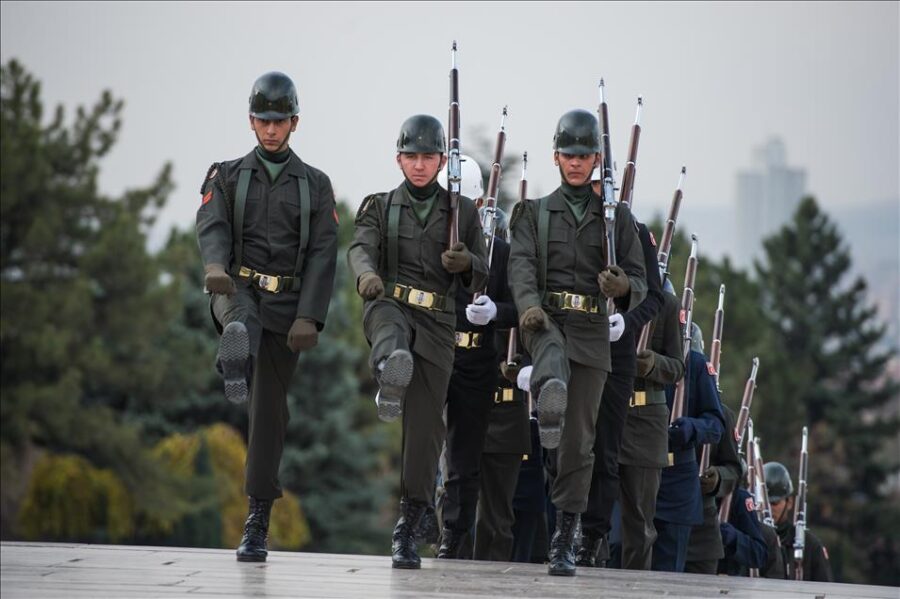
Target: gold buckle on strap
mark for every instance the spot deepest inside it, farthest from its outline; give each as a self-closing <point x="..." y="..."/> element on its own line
<point x="416" y="297"/>
<point x="575" y="301"/>
<point x="639" y="398"/>
<point x="468" y="340"/>
<point x="270" y="283"/>
<point x="503" y="395"/>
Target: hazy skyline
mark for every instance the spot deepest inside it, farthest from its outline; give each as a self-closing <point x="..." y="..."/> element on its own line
<point x="718" y="80"/>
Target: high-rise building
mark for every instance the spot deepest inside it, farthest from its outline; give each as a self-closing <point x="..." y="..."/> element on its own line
<point x="767" y="196"/>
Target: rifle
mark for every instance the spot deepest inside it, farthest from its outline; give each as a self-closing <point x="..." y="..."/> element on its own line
<point x="715" y="354"/>
<point x="608" y="189"/>
<point x="739" y="428"/>
<point x="664" y="249"/>
<point x="765" y="504"/>
<point x="523" y="189"/>
<point x="489" y="215"/>
<point x="687" y="309"/>
<point x="627" y="189"/>
<point x="752" y="479"/>
<point x="454" y="166"/>
<point x="800" y="510"/>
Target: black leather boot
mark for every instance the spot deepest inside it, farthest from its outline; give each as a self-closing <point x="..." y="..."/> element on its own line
<point x="587" y="551"/>
<point x="256" y="531"/>
<point x="451" y="543"/>
<point x="562" y="553"/>
<point x="403" y="541"/>
<point x="603" y="554"/>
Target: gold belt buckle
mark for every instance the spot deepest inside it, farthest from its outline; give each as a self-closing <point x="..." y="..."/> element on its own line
<point x="503" y="395"/>
<point x="270" y="283"/>
<point x="638" y="399"/>
<point x="462" y="339"/>
<point x="671" y="459"/>
<point x="573" y="301"/>
<point x="423" y="299"/>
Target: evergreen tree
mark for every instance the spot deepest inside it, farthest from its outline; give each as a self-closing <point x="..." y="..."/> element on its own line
<point x="832" y="365"/>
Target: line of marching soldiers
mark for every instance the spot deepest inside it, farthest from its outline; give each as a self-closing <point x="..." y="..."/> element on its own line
<point x="546" y="356"/>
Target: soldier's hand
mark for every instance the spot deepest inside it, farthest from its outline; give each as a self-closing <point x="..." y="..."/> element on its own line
<point x="457" y="259"/>
<point x="511" y="371"/>
<point x="729" y="536"/>
<point x="614" y="282"/>
<point x="646" y="360"/>
<point x="533" y="319"/>
<point x="482" y="311"/>
<point x="616" y="327"/>
<point x="216" y="280"/>
<point x="303" y="335"/>
<point x="709" y="481"/>
<point x="681" y="433"/>
<point x="370" y="286"/>
<point x="523" y="380"/>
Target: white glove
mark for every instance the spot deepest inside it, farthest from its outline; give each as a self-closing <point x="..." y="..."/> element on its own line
<point x="616" y="327"/>
<point x="523" y="380"/>
<point x="481" y="311"/>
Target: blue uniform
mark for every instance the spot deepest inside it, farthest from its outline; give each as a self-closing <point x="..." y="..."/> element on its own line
<point x="742" y="537"/>
<point x="679" y="504"/>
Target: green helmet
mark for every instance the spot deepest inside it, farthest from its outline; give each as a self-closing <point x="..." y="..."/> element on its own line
<point x="274" y="97"/>
<point x="696" y="338"/>
<point x="778" y="481"/>
<point x="421" y="133"/>
<point x="577" y="132"/>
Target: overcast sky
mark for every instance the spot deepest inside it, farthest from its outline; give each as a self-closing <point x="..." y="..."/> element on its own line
<point x="718" y="79"/>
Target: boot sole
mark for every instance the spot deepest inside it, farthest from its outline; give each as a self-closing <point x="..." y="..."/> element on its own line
<point x="394" y="379"/>
<point x="561" y="572"/>
<point x="234" y="351"/>
<point x="406" y="566"/>
<point x="551" y="406"/>
<point x="250" y="558"/>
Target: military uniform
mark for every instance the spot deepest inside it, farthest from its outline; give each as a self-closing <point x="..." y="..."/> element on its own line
<point x="270" y="234"/>
<point x="744" y="545"/>
<point x="816" y="565"/>
<point x="470" y="399"/>
<point x="679" y="505"/>
<point x="705" y="546"/>
<point x="643" y="453"/>
<point x="604" y="491"/>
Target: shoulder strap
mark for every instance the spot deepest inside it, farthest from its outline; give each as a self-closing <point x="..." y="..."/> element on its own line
<point x="238" y="219"/>
<point x="393" y="233"/>
<point x="543" y="243"/>
<point x="305" y="209"/>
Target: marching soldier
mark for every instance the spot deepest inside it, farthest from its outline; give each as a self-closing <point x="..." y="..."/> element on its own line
<point x="624" y="331"/>
<point x="816" y="565"/>
<point x="473" y="386"/>
<point x="267" y="230"/>
<point x="560" y="282"/>
<point x="409" y="279"/>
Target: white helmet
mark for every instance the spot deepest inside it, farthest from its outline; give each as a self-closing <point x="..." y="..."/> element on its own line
<point x="471" y="184"/>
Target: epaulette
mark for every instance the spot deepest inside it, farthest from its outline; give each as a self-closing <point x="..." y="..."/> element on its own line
<point x="368" y="202"/>
<point x="211" y="174"/>
<point x="517" y="211"/>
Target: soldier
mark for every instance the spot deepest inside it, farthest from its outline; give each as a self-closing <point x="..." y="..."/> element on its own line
<point x="409" y="279"/>
<point x="473" y="386"/>
<point x="560" y="281"/>
<point x="644" y="449"/>
<point x="744" y="545"/>
<point x="267" y="230"/>
<point x="705" y="545"/>
<point x="816" y="565"/>
<point x="595" y="522"/>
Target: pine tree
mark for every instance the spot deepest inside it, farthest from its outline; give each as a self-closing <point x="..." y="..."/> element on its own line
<point x="832" y="360"/>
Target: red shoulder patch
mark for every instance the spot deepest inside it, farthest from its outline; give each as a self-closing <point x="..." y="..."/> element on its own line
<point x="652" y="239"/>
<point x="334" y="213"/>
<point x="749" y="504"/>
<point x="207" y="197"/>
<point x="682" y="316"/>
<point x="710" y="369"/>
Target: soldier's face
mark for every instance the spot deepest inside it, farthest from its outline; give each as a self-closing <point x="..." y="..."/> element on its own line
<point x="273" y="135"/>
<point x="420" y="168"/>
<point x="780" y="509"/>
<point x="576" y="169"/>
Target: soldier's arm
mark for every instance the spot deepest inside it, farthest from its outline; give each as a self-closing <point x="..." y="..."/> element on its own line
<point x="364" y="254"/>
<point x="523" y="256"/>
<point x="321" y="255"/>
<point x="817" y="564"/>
<point x="630" y="257"/>
<point x="506" y="310"/>
<point x="726" y="459"/>
<point x="749" y="548"/>
<point x="214" y="220"/>
<point x="708" y="420"/>
<point x="476" y="279"/>
<point x="668" y="367"/>
<point x="644" y="312"/>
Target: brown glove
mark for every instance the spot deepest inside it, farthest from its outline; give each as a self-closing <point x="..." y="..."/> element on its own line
<point x="709" y="481"/>
<point x="303" y="335"/>
<point x="646" y="360"/>
<point x="217" y="280"/>
<point x="457" y="259"/>
<point x="614" y="282"/>
<point x="511" y="371"/>
<point x="533" y="319"/>
<point x="370" y="286"/>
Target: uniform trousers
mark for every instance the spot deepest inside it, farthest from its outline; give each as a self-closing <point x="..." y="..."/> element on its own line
<point x="670" y="549"/>
<point x="273" y="364"/>
<point x="494" y="524"/>
<point x="638" y="486"/>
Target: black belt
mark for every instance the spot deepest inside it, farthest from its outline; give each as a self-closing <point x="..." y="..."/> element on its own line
<point x="644" y="398"/>
<point x="270" y="283"/>
<point x="566" y="300"/>
<point x="427" y="300"/>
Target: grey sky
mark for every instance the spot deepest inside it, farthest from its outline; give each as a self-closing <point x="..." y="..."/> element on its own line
<point x="718" y="79"/>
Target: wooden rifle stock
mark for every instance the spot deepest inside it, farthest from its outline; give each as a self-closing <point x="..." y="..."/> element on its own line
<point x="739" y="428"/>
<point x="523" y="190"/>
<point x="687" y="308"/>
<point x="626" y="191"/>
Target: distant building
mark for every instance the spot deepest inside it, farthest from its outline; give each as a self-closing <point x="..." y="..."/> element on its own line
<point x="767" y="196"/>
